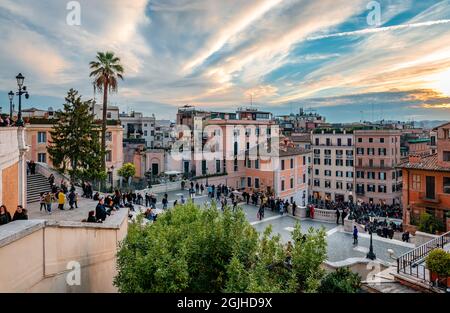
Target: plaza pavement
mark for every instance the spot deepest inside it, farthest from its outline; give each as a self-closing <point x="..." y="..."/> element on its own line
<point x="340" y="243"/>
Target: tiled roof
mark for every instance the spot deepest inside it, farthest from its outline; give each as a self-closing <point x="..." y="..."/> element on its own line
<point x="428" y="162"/>
<point x="292" y="151"/>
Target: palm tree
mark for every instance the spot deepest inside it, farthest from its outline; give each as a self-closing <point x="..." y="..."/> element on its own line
<point x="106" y="70"/>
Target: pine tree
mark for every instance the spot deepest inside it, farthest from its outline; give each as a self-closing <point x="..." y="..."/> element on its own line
<point x="75" y="140"/>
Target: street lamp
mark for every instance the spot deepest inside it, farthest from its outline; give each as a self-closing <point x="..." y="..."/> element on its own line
<point x="11" y="107"/>
<point x="22" y="91"/>
<point x="371" y="255"/>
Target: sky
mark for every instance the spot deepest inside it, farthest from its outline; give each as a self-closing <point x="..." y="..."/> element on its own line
<point x="349" y="60"/>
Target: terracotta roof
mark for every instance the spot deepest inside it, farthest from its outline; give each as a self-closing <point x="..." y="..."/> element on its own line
<point x="429" y="163"/>
<point x="300" y="137"/>
<point x="292" y="151"/>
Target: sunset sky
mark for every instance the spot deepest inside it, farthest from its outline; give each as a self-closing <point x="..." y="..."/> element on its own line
<point x="217" y="54"/>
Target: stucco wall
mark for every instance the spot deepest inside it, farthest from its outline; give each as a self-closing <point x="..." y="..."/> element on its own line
<point x="35" y="255"/>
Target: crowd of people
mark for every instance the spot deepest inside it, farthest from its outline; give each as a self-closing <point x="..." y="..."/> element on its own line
<point x="5" y="121"/>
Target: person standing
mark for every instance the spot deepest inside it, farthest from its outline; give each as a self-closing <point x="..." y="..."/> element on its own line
<point x="355" y="235"/>
<point x="344" y="215"/>
<point x="338" y="215"/>
<point x="61" y="200"/>
<point x="294" y="207"/>
<point x="71" y="200"/>
<point x="42" y="201"/>
<point x="48" y="202"/>
<point x="164" y="201"/>
<point x="202" y="189"/>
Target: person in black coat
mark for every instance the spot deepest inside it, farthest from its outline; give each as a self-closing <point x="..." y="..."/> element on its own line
<point x="100" y="211"/>
<point x="5" y="217"/>
<point x="91" y="218"/>
<point x="20" y="214"/>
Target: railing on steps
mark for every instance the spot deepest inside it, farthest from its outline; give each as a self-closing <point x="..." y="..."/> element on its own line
<point x="409" y="263"/>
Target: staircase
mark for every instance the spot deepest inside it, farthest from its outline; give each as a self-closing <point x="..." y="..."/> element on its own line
<point x="36" y="184"/>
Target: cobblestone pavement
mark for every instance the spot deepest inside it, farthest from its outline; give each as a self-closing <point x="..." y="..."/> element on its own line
<point x="340" y="243"/>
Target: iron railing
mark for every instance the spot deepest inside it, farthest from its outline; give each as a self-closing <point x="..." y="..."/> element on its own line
<point x="409" y="263"/>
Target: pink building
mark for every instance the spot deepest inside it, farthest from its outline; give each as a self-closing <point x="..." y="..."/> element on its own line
<point x="377" y="155"/>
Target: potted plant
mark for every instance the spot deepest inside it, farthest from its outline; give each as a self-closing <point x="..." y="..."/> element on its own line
<point x="438" y="262"/>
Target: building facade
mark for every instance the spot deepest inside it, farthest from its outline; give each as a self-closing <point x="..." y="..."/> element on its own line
<point x="426" y="182"/>
<point x="377" y="154"/>
<point x="332" y="176"/>
<point x="12" y="168"/>
<point x="136" y="125"/>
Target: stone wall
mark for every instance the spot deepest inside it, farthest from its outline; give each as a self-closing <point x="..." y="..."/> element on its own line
<point x="42" y="256"/>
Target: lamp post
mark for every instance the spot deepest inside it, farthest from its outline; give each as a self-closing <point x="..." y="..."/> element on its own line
<point x="371" y="255"/>
<point x="22" y="91"/>
<point x="11" y="106"/>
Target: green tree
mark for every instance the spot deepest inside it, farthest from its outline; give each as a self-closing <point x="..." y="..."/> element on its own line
<point x="75" y="144"/>
<point x="127" y="170"/>
<point x="106" y="71"/>
<point x="341" y="281"/>
<point x="193" y="249"/>
<point x="430" y="224"/>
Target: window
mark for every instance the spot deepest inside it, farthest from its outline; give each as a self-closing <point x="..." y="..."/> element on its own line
<point x="236" y="165"/>
<point x="249" y="181"/>
<point x="317" y="161"/>
<point x="339" y="142"/>
<point x="370" y="175"/>
<point x="327" y="162"/>
<point x="42" y="157"/>
<point x="317" y="151"/>
<point x="256" y="182"/>
<point x="360" y="151"/>
<point x="108" y="115"/>
<point x="292" y="163"/>
<point x="370" y="163"/>
<point x="349" y="142"/>
<point x="304" y="160"/>
<point x="371" y="151"/>
<point x="381" y="163"/>
<point x="204" y="167"/>
<point x="370" y="188"/>
<point x="316" y="183"/>
<point x="359" y="139"/>
<point x="381" y="140"/>
<point x="282" y="185"/>
<point x="257" y="163"/>
<point x="317" y="141"/>
<point x="235" y="148"/>
<point x="339" y="162"/>
<point x="359" y="174"/>
<point x="108" y="156"/>
<point x="145" y="133"/>
<point x="249" y="163"/>
<point x="382" y="176"/>
<point x="327" y="184"/>
<point x="304" y="178"/>
<point x="382" y="151"/>
<point x="446" y="156"/>
<point x="292" y="183"/>
<point x="42" y="138"/>
<point x="327" y="173"/>
<point x="282" y="165"/>
<point x="338" y="185"/>
<point x="382" y="188"/>
<point x="339" y="173"/>
<point x="416" y="182"/>
<point x="217" y="166"/>
<point x="339" y="152"/>
<point x="349" y="186"/>
<point x="349" y="174"/>
<point x="327" y="152"/>
<point x="348" y="162"/>
<point x="360" y="188"/>
<point x="349" y="153"/>
<point x="446" y="185"/>
<point x="328" y="142"/>
<point x="370" y="139"/>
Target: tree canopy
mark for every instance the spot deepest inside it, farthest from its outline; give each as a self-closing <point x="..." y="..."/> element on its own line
<point x="194" y="249"/>
<point x="75" y="140"/>
<point x="127" y="170"/>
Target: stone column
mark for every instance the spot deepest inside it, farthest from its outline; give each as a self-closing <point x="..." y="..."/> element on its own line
<point x="22" y="182"/>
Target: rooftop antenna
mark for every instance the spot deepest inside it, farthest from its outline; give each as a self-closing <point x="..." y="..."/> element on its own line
<point x="362" y="116"/>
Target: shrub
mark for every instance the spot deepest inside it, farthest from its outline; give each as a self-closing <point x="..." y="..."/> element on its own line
<point x="430" y="224"/>
<point x="340" y="281"/>
<point x="438" y="261"/>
